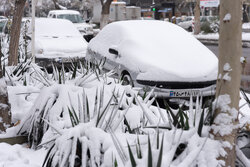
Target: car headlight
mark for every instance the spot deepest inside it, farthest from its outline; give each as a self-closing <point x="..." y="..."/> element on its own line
<point x="40" y="51"/>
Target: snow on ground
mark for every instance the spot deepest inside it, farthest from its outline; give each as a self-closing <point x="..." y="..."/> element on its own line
<point x="20" y="156"/>
<point x="215" y="36"/>
<point x="246" y="26"/>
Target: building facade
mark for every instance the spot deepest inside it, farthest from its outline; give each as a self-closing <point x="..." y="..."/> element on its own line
<point x="161" y="9"/>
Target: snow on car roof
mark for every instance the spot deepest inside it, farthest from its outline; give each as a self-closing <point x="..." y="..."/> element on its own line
<point x="157" y="44"/>
<point x="55" y="27"/>
<point x="64" y="12"/>
<point x="118" y="3"/>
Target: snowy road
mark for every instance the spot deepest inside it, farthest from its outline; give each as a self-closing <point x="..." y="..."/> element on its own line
<point x="246" y="74"/>
<point x="215" y="50"/>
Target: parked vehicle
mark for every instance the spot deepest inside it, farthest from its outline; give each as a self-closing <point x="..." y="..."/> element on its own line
<point x="210" y="24"/>
<point x="75" y="17"/>
<point x="187" y="23"/>
<point x="57" y="41"/>
<point x="156" y="55"/>
<point x="3" y="17"/>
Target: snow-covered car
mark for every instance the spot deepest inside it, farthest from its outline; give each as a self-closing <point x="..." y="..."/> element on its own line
<point x="156" y="55"/>
<point x="3" y="17"/>
<point x="187" y="23"/>
<point x="75" y="17"/>
<point x="57" y="41"/>
<point x="209" y="24"/>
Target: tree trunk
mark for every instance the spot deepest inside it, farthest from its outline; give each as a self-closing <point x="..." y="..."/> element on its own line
<point x="197" y="25"/>
<point x="5" y="115"/>
<point x="105" y="13"/>
<point x="228" y="83"/>
<point x="15" y="32"/>
<point x="56" y="4"/>
<point x="104" y="20"/>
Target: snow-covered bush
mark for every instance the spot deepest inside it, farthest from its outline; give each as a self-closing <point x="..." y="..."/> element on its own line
<point x="85" y="118"/>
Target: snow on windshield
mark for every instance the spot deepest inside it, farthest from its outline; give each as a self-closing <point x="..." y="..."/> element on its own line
<point x="55" y="28"/>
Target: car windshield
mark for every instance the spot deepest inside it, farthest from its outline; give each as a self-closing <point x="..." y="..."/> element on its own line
<point x="74" y="18"/>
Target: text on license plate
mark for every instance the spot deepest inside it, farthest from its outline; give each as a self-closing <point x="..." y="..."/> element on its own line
<point x="184" y="93"/>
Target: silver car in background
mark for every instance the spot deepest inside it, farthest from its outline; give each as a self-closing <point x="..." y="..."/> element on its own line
<point x="75" y="17"/>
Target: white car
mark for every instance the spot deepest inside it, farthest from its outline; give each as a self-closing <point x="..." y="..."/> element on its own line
<point x="3" y="17"/>
<point x="57" y="41"/>
<point x="187" y="23"/>
<point x="75" y="17"/>
<point x="156" y="54"/>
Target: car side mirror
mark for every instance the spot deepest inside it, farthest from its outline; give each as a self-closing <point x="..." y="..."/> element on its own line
<point x="113" y="51"/>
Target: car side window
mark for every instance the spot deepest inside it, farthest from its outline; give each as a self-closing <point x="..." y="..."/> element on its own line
<point x="54" y="16"/>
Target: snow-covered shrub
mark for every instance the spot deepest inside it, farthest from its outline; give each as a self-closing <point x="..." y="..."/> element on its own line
<point x="24" y="43"/>
<point x="57" y="101"/>
<point x="85" y="145"/>
<point x="85" y="118"/>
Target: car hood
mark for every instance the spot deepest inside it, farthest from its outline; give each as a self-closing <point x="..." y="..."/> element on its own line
<point x="60" y="47"/>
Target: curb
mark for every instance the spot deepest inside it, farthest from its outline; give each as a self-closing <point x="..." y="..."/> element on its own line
<point x="245" y="43"/>
<point x="14" y="140"/>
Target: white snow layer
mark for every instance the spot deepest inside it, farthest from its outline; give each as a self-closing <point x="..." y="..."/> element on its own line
<point x="224" y="121"/>
<point x="157" y="49"/>
<point x="20" y="156"/>
<point x="227" y="17"/>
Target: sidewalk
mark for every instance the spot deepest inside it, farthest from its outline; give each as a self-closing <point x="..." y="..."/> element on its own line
<point x="213" y="39"/>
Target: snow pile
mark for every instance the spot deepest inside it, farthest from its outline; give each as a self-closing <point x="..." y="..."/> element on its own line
<point x="215" y="36"/>
<point x="224" y="121"/>
<point x="246" y="26"/>
<point x="227" y="17"/>
<point x="20" y="156"/>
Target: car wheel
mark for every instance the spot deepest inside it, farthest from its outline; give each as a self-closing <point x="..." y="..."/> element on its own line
<point x="127" y="80"/>
<point x="190" y="29"/>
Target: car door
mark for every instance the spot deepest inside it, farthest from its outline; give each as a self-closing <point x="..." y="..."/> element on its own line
<point x="112" y="62"/>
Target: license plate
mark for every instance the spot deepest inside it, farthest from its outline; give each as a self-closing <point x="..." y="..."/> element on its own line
<point x="184" y="93"/>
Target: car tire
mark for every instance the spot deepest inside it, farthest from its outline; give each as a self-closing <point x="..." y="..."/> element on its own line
<point x="190" y="29"/>
<point x="127" y="80"/>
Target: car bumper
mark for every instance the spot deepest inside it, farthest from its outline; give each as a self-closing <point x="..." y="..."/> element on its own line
<point x="179" y="93"/>
<point x="57" y="62"/>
